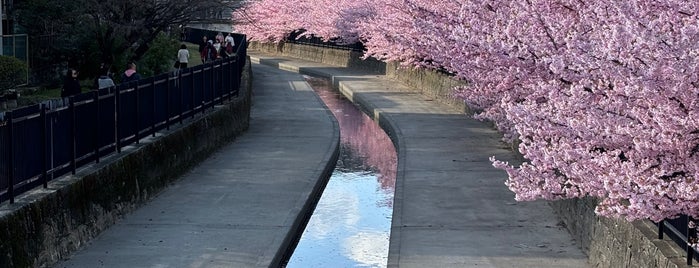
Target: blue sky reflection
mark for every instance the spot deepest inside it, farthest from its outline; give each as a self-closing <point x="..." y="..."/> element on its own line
<point x="350" y="226"/>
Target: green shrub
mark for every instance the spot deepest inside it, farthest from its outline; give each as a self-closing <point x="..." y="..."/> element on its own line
<point x="160" y="56"/>
<point x="13" y="72"/>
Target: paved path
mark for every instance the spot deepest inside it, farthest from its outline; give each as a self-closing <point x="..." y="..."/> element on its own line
<point x="452" y="208"/>
<point x="240" y="207"/>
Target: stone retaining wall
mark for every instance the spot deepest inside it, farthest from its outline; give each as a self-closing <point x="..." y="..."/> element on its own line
<point x="432" y="84"/>
<point x="616" y="242"/>
<point x="607" y="242"/>
<point x="338" y="57"/>
<point x="45" y="225"/>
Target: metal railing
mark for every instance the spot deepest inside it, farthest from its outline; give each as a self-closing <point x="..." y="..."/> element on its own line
<point x="317" y="41"/>
<point x="683" y="231"/>
<point x="38" y="144"/>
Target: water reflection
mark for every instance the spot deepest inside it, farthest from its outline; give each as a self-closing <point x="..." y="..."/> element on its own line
<point x="362" y="139"/>
<point x="350" y="226"/>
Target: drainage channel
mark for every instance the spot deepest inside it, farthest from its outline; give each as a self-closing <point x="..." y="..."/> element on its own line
<point x="351" y="224"/>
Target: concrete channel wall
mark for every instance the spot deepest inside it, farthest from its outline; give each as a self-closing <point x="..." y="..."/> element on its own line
<point x="607" y="242"/>
<point x="45" y="225"/>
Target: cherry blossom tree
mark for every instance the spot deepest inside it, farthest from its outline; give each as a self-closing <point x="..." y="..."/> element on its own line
<point x="601" y="95"/>
<point x="616" y="121"/>
<point x="270" y="20"/>
<point x="274" y="20"/>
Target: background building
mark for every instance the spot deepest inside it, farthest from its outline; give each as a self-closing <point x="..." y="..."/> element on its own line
<point x="216" y="18"/>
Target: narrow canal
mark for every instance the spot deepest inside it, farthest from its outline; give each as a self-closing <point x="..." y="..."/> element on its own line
<point x="351" y="224"/>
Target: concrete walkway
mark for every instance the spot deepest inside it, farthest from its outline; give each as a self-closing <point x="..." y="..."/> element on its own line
<point x="242" y="206"/>
<point x="452" y="208"/>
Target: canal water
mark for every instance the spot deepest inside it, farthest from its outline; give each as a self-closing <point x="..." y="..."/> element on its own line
<point x="351" y="224"/>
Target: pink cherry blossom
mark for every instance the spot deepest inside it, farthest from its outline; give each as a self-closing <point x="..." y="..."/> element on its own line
<point x="603" y="96"/>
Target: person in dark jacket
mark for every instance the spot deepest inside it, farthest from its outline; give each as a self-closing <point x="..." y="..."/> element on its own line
<point x="202" y="48"/>
<point x="130" y="74"/>
<point x="71" y="84"/>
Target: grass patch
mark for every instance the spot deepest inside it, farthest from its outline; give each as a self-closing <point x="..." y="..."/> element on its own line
<point x="194" y="57"/>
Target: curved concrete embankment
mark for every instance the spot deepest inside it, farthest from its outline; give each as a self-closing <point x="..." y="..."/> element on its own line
<point x="451" y="208"/>
<point x="607" y="242"/>
<point x="45" y="225"/>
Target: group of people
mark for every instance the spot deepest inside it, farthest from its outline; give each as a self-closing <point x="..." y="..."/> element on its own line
<point x="71" y="84"/>
<point x="219" y="47"/>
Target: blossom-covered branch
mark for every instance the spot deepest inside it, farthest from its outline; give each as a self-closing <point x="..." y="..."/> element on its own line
<point x="602" y="95"/>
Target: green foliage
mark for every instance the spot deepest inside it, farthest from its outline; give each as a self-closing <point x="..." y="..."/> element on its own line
<point x="55" y="29"/>
<point x="83" y="34"/>
<point x="12" y="72"/>
<point x="160" y="56"/>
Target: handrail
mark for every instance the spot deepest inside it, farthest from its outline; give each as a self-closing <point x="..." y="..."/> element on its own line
<point x="38" y="144"/>
<point x="688" y="239"/>
<point x="294" y="38"/>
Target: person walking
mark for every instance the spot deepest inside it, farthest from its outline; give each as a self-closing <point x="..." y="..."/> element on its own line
<point x="202" y="48"/>
<point x="217" y="48"/>
<point x="71" y="84"/>
<point x="130" y="74"/>
<point x="183" y="56"/>
<point x="210" y="52"/>
<point x="228" y="50"/>
<point x="230" y="40"/>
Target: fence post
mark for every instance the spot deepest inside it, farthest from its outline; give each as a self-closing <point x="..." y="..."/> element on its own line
<point x="152" y="126"/>
<point x="661" y="229"/>
<point x="167" y="103"/>
<point x="72" y="134"/>
<point x="116" y="119"/>
<point x="97" y="126"/>
<point x="191" y="115"/>
<point x="236" y="77"/>
<point x="213" y="84"/>
<point x="138" y="117"/>
<point x="179" y="88"/>
<point x="231" y="68"/>
<point x="203" y="87"/>
<point x="44" y="155"/>
<point x="691" y="239"/>
<point x="219" y="94"/>
<point x="11" y="168"/>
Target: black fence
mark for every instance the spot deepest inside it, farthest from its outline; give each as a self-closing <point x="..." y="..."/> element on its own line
<point x="683" y="231"/>
<point x="317" y="41"/>
<point x="38" y="144"/>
